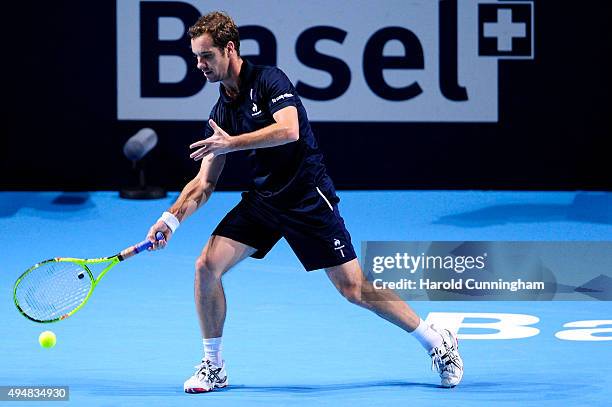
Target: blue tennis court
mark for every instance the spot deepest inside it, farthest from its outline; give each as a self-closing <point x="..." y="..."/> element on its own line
<point x="290" y="338"/>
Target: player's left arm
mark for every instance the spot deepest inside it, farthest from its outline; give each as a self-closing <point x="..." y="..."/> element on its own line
<point x="286" y="129"/>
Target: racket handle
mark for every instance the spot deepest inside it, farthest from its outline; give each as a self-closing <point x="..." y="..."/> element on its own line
<point x="140" y="247"/>
<point x="145" y="244"/>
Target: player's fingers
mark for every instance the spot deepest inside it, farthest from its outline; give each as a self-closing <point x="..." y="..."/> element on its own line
<point x="204" y="154"/>
<point x="213" y="124"/>
<point x="196" y="155"/>
<point x="198" y="144"/>
<point x="158" y="227"/>
<point x="159" y="244"/>
<point x="153" y="244"/>
<point x="151" y="236"/>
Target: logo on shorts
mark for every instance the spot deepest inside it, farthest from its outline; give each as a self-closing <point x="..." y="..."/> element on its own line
<point x="339" y="246"/>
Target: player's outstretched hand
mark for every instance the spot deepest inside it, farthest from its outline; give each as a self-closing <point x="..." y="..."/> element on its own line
<point x="219" y="143"/>
<point x="159" y="226"/>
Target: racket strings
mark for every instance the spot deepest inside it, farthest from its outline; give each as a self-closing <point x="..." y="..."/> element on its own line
<point x="52" y="293"/>
<point x="53" y="290"/>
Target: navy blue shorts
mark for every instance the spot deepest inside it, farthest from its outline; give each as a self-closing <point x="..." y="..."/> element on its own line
<point x="311" y="225"/>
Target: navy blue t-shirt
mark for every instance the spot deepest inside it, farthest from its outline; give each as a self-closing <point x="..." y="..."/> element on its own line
<point x="282" y="173"/>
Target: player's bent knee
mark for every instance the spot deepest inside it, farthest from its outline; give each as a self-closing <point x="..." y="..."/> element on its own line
<point x="207" y="267"/>
<point x="352" y="292"/>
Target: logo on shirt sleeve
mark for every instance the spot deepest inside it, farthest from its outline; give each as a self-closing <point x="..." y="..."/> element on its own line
<point x="281" y="97"/>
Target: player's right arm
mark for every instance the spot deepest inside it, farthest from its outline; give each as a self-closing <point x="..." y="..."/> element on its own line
<point x="193" y="196"/>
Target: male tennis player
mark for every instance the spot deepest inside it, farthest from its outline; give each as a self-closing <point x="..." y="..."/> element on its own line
<point x="291" y="197"/>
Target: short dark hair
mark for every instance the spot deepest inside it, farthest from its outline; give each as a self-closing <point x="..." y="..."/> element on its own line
<point x="221" y="28"/>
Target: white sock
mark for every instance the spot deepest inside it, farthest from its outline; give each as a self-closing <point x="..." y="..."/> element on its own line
<point x="212" y="350"/>
<point x="428" y="338"/>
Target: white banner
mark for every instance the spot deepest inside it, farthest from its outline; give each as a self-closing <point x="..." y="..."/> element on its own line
<point x="388" y="61"/>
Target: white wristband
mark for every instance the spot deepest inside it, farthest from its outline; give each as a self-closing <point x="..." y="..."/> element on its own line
<point x="170" y="220"/>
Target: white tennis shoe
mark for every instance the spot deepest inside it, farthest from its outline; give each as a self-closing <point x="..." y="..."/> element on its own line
<point x="207" y="377"/>
<point x="445" y="359"/>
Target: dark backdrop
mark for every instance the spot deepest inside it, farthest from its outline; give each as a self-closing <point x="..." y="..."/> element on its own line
<point x="60" y="132"/>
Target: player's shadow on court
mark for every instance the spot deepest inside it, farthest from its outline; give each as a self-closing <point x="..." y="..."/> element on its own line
<point x="504" y="390"/>
<point x="586" y="207"/>
<point x="327" y="387"/>
<point x="66" y="203"/>
<point x="112" y="389"/>
<point x="521" y="391"/>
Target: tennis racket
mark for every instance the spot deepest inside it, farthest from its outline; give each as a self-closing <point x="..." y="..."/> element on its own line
<point x="55" y="289"/>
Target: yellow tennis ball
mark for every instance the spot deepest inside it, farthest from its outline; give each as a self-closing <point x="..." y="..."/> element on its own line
<point x="47" y="339"/>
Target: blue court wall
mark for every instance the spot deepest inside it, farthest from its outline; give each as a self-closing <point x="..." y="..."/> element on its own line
<point x="404" y="95"/>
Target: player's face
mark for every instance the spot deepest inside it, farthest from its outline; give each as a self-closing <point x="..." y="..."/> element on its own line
<point x="212" y="61"/>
